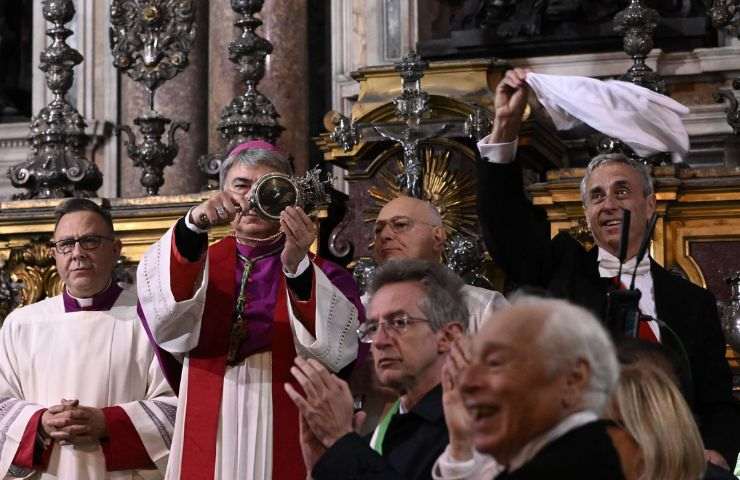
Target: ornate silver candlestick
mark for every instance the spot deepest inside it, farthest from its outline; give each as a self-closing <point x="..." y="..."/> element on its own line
<point x="152" y="154"/>
<point x="57" y="166"/>
<point x="150" y="41"/>
<point x="638" y="23"/>
<point x="726" y="13"/>
<point x="251" y="115"/>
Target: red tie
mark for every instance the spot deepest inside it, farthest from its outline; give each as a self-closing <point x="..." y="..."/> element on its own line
<point x="644" y="331"/>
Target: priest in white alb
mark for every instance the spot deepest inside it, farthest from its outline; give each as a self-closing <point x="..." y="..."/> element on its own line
<point x="82" y="396"/>
<point x="229" y="319"/>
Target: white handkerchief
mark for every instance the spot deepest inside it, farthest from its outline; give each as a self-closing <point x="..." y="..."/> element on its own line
<point x="645" y="120"/>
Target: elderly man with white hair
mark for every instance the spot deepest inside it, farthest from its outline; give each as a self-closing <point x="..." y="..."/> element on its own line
<point x="530" y="396"/>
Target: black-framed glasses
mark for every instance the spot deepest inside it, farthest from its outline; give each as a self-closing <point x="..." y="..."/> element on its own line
<point x="87" y="242"/>
<point x="399" y="224"/>
<point x="395" y="325"/>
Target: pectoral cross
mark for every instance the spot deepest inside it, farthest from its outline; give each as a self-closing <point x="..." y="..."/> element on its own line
<point x="236" y="337"/>
<point x="239" y="331"/>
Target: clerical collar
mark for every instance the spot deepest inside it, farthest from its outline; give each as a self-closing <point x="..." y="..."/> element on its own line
<point x="252" y="251"/>
<point x="101" y="301"/>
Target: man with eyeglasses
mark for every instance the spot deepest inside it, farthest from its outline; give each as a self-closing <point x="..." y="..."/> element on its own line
<point x="519" y="235"/>
<point x="410" y="228"/>
<point x="416" y="313"/>
<point x="81" y="392"/>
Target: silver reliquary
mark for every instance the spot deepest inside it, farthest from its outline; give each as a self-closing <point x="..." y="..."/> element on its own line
<point x="273" y="192"/>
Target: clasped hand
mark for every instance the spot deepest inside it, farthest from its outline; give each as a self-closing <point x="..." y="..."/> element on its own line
<point x="71" y="423"/>
<point x="326" y="410"/>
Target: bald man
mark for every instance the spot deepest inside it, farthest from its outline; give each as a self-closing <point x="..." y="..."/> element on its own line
<point x="410" y="228"/>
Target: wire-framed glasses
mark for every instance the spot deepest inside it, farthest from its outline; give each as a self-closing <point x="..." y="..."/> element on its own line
<point x="398" y="224"/>
<point x="395" y="325"/>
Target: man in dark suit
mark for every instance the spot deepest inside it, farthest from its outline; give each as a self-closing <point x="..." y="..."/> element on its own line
<point x="518" y="235"/>
<point x="415" y="314"/>
<point x="530" y="396"/>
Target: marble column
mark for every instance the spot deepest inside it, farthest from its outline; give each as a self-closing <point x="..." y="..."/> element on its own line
<point x="286" y="80"/>
<point x="223" y="80"/>
<point x="286" y="77"/>
<point x="184" y="98"/>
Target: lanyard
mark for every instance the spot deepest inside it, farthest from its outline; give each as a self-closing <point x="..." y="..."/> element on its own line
<point x="383" y="427"/>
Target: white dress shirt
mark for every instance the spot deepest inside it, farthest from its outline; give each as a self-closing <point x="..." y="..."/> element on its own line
<point x="506" y="153"/>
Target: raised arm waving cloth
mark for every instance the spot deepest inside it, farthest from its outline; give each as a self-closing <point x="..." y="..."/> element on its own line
<point x="647" y="121"/>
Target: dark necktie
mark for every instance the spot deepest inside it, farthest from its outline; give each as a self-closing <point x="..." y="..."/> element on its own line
<point x="644" y="331"/>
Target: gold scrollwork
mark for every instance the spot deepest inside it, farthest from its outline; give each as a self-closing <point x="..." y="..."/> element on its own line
<point x="33" y="266"/>
<point x="582" y="233"/>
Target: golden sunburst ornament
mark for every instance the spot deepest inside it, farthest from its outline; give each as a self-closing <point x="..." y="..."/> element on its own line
<point x="451" y="191"/>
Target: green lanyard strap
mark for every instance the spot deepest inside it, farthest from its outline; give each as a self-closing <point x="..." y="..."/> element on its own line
<point x="383" y="426"/>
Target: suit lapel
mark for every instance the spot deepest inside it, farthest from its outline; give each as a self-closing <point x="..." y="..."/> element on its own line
<point x="592" y="294"/>
<point x="661" y="292"/>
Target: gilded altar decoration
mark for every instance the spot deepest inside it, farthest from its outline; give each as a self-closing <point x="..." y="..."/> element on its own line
<point x="57" y="166"/>
<point x="150" y="41"/>
<point x="581" y="232"/>
<point x="452" y="192"/>
<point x="411" y="106"/>
<point x="31" y="274"/>
<point x="413" y="142"/>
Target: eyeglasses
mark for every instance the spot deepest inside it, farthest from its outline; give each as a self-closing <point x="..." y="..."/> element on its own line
<point x="87" y="242"/>
<point x="399" y="224"/>
<point x="396" y="325"/>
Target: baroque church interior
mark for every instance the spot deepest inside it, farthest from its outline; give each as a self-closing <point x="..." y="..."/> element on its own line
<point x="136" y="103"/>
